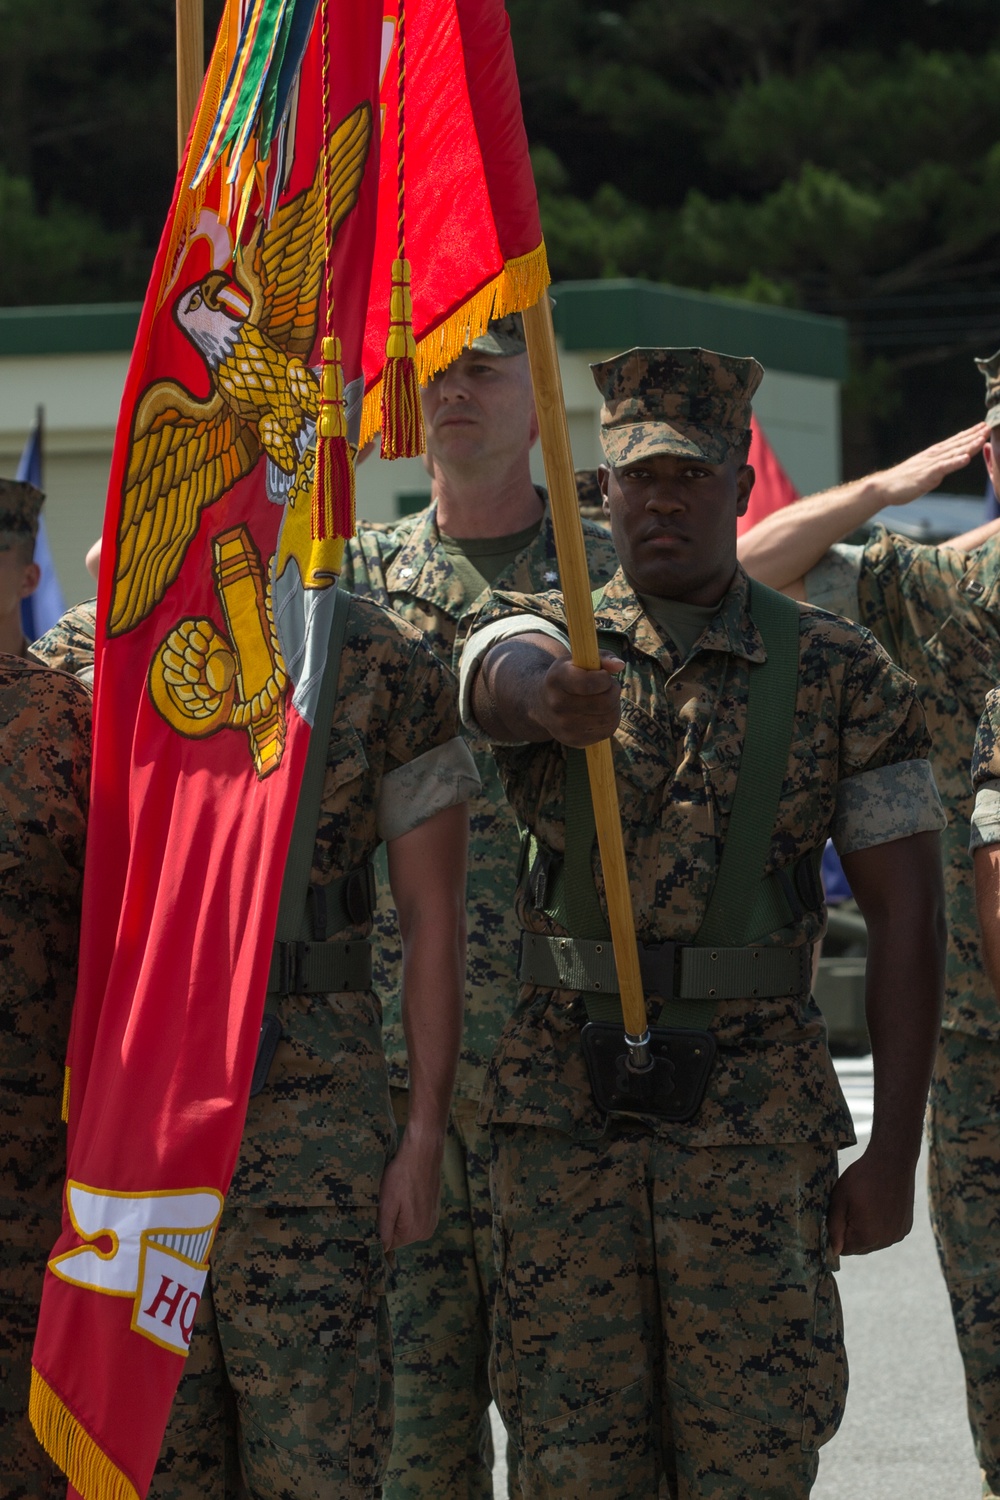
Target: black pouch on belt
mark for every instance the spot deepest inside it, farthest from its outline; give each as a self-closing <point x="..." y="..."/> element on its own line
<point x="682" y="1049"/>
<point x="685" y="982"/>
<point x="672" y="1088"/>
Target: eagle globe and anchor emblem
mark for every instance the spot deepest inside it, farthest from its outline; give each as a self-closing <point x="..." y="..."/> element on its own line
<point x="254" y="330"/>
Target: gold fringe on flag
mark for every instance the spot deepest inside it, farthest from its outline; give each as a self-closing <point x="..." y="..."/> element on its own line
<point x="402" y="418"/>
<point x="333" y="481"/>
<point x="68" y="1444"/>
<point x="64" y="1107"/>
<point x="519" y="285"/>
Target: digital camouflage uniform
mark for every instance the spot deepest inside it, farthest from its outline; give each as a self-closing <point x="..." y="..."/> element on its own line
<point x="443" y="1289"/>
<point x="745" y="1378"/>
<point x="666" y="1307"/>
<point x="589" y="496"/>
<point x="291" y="1361"/>
<point x="20" y="507"/>
<point x="975" y="1195"/>
<point x="44" y="790"/>
<point x="69" y="645"/>
<point x="937" y="613"/>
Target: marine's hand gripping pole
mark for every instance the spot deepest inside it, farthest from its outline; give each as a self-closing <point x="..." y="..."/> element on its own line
<point x="558" y="457"/>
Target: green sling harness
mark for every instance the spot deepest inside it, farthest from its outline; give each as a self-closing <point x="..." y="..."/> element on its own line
<point x="304" y="960"/>
<point x="744" y="906"/>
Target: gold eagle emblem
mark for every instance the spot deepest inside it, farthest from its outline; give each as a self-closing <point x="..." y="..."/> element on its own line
<point x="254" y="332"/>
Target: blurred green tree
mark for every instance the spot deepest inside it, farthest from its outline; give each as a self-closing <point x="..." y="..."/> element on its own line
<point x="827" y="154"/>
<point x="87" y="145"/>
<point x="824" y="154"/>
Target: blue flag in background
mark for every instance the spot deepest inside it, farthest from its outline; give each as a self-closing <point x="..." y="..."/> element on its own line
<point x="41" y="610"/>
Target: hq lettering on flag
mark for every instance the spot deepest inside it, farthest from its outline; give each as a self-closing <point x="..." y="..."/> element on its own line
<point x="354" y="205"/>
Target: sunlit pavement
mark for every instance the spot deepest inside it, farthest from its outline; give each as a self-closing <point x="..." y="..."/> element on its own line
<point x="905" y="1435"/>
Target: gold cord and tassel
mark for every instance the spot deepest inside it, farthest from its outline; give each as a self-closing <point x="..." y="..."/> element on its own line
<point x="519" y="284"/>
<point x="333" y="480"/>
<point x="402" y="419"/>
<point x="402" y="416"/>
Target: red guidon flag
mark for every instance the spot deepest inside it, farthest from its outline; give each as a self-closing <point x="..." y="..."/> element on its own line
<point x="772" y="489"/>
<point x="355" y="204"/>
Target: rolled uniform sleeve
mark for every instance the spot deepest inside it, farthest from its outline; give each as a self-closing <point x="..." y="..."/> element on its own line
<point x="890" y="802"/>
<point x="833" y="583"/>
<point x="886" y="788"/>
<point x="434" y="781"/>
<point x="910" y="595"/>
<point x="70" y="644"/>
<point x="428" y="765"/>
<point x="482" y="641"/>
<point x="986" y="776"/>
<point x="902" y="591"/>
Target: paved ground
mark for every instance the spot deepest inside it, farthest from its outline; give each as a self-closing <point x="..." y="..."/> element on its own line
<point x="905" y="1436"/>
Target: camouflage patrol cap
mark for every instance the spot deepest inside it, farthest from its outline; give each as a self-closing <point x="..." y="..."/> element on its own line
<point x="990" y="369"/>
<point x="20" y="504"/>
<point x="690" y="402"/>
<point x="588" y="489"/>
<point x="504" y="336"/>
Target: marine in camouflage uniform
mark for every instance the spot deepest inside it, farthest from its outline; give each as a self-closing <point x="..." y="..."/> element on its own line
<point x="589" y="497"/>
<point x="20" y="506"/>
<point x="44" y="790"/>
<point x="442" y="1291"/>
<point x="69" y="644"/>
<point x="971" y="1123"/>
<point x="667" y="1308"/>
<point x="288" y="1393"/>
<point x="936" y="610"/>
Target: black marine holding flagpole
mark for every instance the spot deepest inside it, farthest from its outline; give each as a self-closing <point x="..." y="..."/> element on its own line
<point x="550" y="406"/>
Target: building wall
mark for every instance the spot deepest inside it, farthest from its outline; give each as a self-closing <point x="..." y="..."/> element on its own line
<point x="798" y="403"/>
<point x="801" y="416"/>
<point x="80" y="395"/>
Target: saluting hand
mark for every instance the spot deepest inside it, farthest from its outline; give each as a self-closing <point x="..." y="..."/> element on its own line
<point x="924" y="471"/>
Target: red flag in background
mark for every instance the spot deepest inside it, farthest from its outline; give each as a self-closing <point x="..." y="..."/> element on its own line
<point x="286" y="270"/>
<point x="772" y="487"/>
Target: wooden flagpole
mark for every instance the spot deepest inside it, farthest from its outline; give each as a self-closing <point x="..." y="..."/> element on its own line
<point x="190" y="65"/>
<point x="558" y="457"/>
